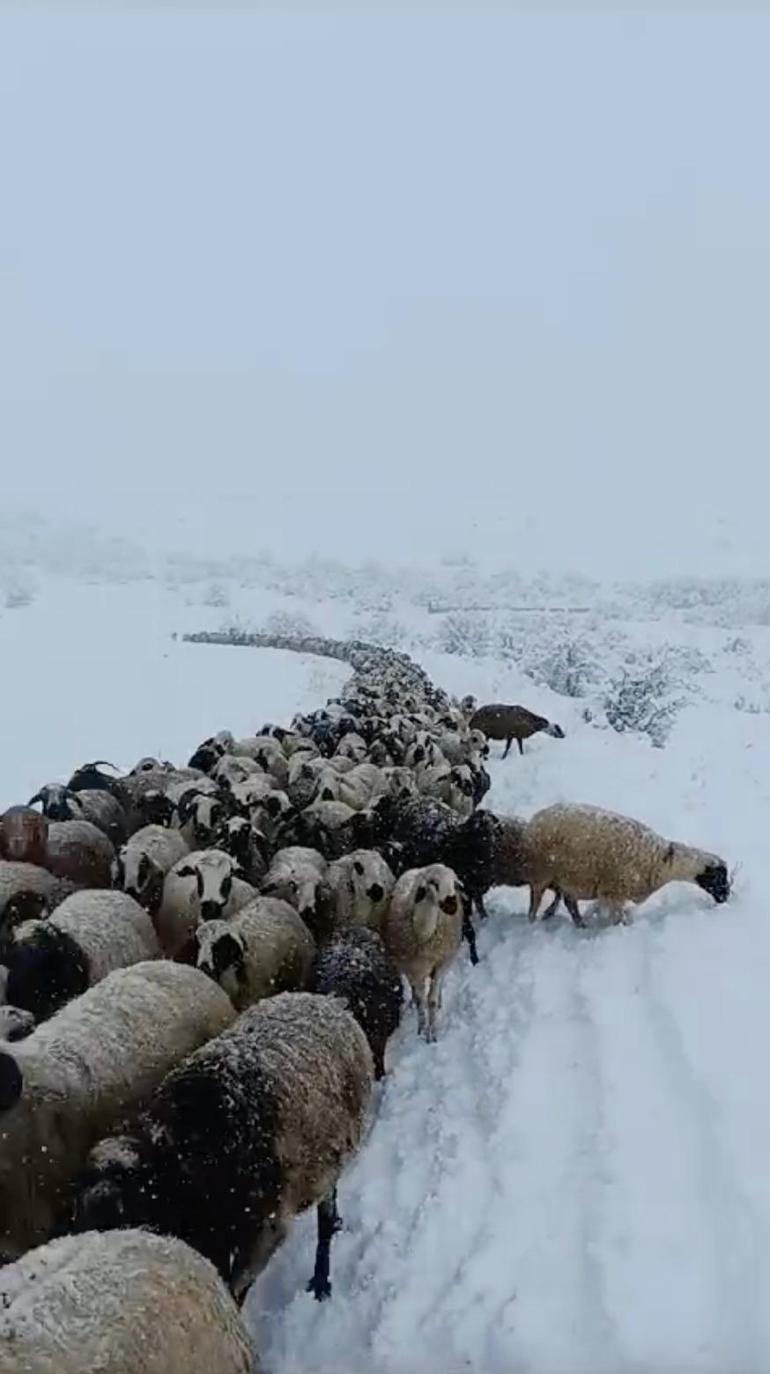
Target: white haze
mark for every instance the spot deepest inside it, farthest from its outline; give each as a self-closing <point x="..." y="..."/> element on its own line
<point x="391" y="286"/>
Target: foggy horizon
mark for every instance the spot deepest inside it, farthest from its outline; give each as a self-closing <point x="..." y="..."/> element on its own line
<point x="391" y="287"/>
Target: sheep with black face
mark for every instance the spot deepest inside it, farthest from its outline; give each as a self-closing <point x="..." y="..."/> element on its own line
<point x="202" y="886"/>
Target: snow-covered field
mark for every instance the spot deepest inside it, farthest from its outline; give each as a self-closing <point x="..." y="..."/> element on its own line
<point x="576" y="1178"/>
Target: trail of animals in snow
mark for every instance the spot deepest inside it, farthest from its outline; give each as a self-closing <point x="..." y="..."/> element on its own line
<point x="574" y="1178"/>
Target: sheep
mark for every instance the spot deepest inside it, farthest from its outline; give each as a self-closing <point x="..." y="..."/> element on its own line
<point x="451" y="784"/>
<point x="142" y="863"/>
<point x="15" y="1023"/>
<point x="298" y="875"/>
<point x="77" y="1074"/>
<point x="263" y="949"/>
<point x="80" y="851"/>
<point x="423" y="752"/>
<point x="400" y="781"/>
<point x="124" y="1301"/>
<point x="428" y="831"/>
<point x="147" y="796"/>
<point x="198" y="816"/>
<point x="90" y="934"/>
<point x="96" y="805"/>
<point x="24" y="836"/>
<point x="248" y="846"/>
<point x="423" y="931"/>
<point x="361" y="885"/>
<point x="202" y="886"/>
<point x="352" y="746"/>
<point x="329" y="827"/>
<point x="267" y="752"/>
<point x="232" y="768"/>
<point x="250" y="1130"/>
<point x="27" y="892"/>
<point x="584" y="852"/>
<point x="511" y="723"/>
<point x="356" y="968"/>
<point x="459" y="747"/>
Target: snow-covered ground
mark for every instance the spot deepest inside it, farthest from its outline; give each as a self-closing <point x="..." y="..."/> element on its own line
<point x="576" y="1178"/>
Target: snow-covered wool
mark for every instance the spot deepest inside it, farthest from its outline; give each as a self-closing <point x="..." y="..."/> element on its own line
<point x="356" y="968"/>
<point x="361" y="884"/>
<point x="267" y="752"/>
<point x="202" y="886"/>
<point x="15" y="1024"/>
<point x="458" y="746"/>
<point x="427" y="831"/>
<point x="232" y="768"/>
<point x="249" y="1131"/>
<point x="400" y="781"/>
<point x="298" y="875"/>
<point x="88" y="936"/>
<point x="27" y="891"/>
<point x="80" y="851"/>
<point x="588" y="853"/>
<point x="450" y="784"/>
<point x="352" y="746"/>
<point x="126" y="1302"/>
<point x="423" y="931"/>
<point x="77" y="1074"/>
<point x="143" y="862"/>
<point x="97" y="805"/>
<point x="263" y="949"/>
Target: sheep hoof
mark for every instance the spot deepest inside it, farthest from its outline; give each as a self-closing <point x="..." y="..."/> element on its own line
<point x="320" y="1288"/>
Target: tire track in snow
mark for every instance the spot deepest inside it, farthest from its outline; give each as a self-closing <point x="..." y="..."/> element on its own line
<point x="672" y="1203"/>
<point x="738" y="1296"/>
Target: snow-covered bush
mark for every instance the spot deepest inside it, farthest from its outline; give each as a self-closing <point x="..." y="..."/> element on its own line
<point x="292" y="624"/>
<point x="463" y="633"/>
<point x="216" y="596"/>
<point x="17" y="595"/>
<point x="566" y="666"/>
<point x="643" y="701"/>
<point x="379" y="628"/>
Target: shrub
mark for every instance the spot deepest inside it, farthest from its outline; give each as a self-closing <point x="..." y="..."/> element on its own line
<point x="464" y="634"/>
<point x="642" y="701"/>
<point x="291" y="624"/>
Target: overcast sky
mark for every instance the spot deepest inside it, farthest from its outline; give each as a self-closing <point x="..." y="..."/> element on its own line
<point x="397" y="283"/>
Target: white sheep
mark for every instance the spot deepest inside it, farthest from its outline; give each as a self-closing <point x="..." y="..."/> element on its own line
<point x="584" y="852"/>
<point x="449" y="783"/>
<point x="126" y="1302"/>
<point x="202" y="886"/>
<point x="361" y="884"/>
<point x="77" y="1074"/>
<point x="88" y="936"/>
<point x="423" y="931"/>
<point x="298" y="875"/>
<point x="352" y="746"/>
<point x="263" y="949"/>
<point x="143" y="862"/>
<point x="27" y="890"/>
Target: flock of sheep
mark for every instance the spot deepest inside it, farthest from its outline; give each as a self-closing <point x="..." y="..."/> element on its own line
<point x="200" y="970"/>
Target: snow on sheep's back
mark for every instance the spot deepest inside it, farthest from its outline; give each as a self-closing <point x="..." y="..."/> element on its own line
<point x="91" y="671"/>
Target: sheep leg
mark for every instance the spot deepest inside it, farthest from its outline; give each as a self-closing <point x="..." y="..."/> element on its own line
<point x="508" y="744"/>
<point x="553" y="908"/>
<point x="574" y="910"/>
<point x="535" y="898"/>
<point x="434" y="1002"/>
<point x="480" y="907"/>
<point x="520" y="744"/>
<point x="419" y="998"/>
<point x="469" y="934"/>
<point x="328" y="1222"/>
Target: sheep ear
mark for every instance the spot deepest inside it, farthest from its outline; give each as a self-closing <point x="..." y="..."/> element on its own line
<point x="421" y="893"/>
<point x="186" y="871"/>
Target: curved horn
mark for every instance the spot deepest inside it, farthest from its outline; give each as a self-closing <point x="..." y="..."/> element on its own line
<point x="38" y="797"/>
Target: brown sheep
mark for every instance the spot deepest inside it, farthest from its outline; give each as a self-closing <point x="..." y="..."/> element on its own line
<point x="512" y="723"/>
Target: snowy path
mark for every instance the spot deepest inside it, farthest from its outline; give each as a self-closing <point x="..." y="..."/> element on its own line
<point x="576" y="1178"/>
